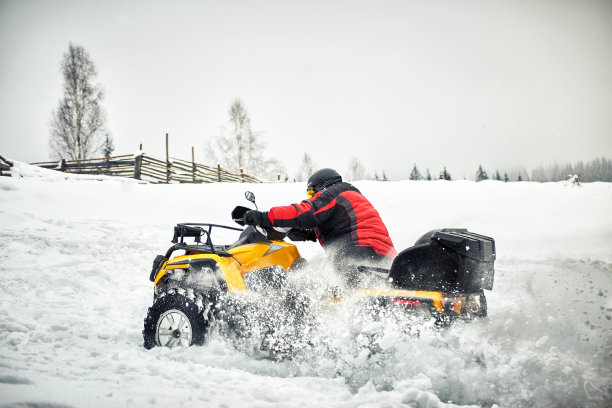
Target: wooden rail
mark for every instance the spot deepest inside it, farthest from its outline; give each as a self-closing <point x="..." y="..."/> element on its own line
<point x="5" y="165"/>
<point x="148" y="168"/>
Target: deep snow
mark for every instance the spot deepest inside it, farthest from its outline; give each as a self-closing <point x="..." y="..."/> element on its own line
<point x="75" y="255"/>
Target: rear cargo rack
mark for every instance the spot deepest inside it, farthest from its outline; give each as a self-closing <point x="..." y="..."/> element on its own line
<point x="450" y="260"/>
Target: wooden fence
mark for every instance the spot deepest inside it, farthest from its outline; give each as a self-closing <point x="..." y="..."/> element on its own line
<point x="5" y="165"/>
<point x="148" y="168"/>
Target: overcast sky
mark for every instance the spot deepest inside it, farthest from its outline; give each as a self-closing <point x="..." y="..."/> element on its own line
<point x="437" y="83"/>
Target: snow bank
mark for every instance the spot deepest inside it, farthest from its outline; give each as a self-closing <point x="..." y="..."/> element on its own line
<point x="75" y="254"/>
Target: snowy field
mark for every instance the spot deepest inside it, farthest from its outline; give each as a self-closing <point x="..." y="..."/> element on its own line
<point x="75" y="257"/>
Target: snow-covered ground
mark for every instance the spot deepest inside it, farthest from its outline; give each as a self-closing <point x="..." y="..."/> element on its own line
<point x="75" y="256"/>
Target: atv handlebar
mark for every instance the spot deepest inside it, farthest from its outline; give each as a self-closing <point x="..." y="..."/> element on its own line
<point x="273" y="233"/>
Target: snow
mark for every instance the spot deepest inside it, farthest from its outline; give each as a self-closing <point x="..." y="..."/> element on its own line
<point x="76" y="252"/>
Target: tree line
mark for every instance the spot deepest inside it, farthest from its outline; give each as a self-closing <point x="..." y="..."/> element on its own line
<point x="599" y="169"/>
<point x="78" y="131"/>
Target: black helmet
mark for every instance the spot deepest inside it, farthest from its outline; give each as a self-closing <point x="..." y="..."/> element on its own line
<point x="322" y="179"/>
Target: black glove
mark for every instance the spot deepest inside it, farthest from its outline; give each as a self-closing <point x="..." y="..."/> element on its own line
<point x="253" y="217"/>
<point x="302" y="235"/>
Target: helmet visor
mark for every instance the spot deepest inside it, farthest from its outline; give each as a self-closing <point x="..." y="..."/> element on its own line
<point x="310" y="192"/>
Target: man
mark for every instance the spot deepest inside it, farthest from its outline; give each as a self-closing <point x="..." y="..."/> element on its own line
<point x="339" y="216"/>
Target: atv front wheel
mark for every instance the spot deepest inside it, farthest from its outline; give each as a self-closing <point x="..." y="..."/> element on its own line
<point x="174" y="320"/>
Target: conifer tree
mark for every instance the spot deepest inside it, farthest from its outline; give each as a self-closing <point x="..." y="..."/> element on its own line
<point x="108" y="147"/>
<point x="428" y="176"/>
<point x="481" y="174"/>
<point x="445" y="175"/>
<point x="415" y="174"/>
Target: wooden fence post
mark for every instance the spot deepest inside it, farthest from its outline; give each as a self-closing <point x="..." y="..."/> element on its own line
<point x="219" y="172"/>
<point x="63" y="165"/>
<point x="193" y="166"/>
<point x="5" y="165"/>
<point x="137" y="165"/>
<point x="168" y="165"/>
<point x="241" y="176"/>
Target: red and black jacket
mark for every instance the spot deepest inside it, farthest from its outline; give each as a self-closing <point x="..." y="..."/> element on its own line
<point x="340" y="216"/>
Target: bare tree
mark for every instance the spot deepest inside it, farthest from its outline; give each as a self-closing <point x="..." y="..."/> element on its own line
<point x="306" y="168"/>
<point x="240" y="147"/>
<point x="274" y="170"/>
<point x="356" y="170"/>
<point x="78" y="125"/>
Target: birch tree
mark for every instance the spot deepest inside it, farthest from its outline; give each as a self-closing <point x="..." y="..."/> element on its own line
<point x="239" y="147"/>
<point x="356" y="170"/>
<point x="306" y="168"/>
<point x="78" y="125"/>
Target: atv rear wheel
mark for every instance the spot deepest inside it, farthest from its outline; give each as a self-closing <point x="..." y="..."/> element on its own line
<point x="482" y="309"/>
<point x="174" y="320"/>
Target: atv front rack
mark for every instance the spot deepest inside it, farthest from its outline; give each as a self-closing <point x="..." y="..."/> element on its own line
<point x="202" y="243"/>
<point x="202" y="238"/>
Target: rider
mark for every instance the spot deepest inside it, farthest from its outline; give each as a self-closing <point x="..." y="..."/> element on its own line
<point x="336" y="213"/>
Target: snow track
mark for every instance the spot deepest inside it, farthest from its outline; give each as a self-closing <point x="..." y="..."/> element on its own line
<point x="75" y="256"/>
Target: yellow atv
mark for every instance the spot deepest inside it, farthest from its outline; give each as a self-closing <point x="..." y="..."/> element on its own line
<point x="443" y="275"/>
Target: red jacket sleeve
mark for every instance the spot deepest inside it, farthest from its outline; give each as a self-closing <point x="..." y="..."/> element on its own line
<point x="309" y="213"/>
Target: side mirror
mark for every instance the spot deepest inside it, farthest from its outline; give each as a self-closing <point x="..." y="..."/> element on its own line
<point x="250" y="196"/>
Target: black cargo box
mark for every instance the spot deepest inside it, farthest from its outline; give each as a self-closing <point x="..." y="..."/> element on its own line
<point x="447" y="260"/>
